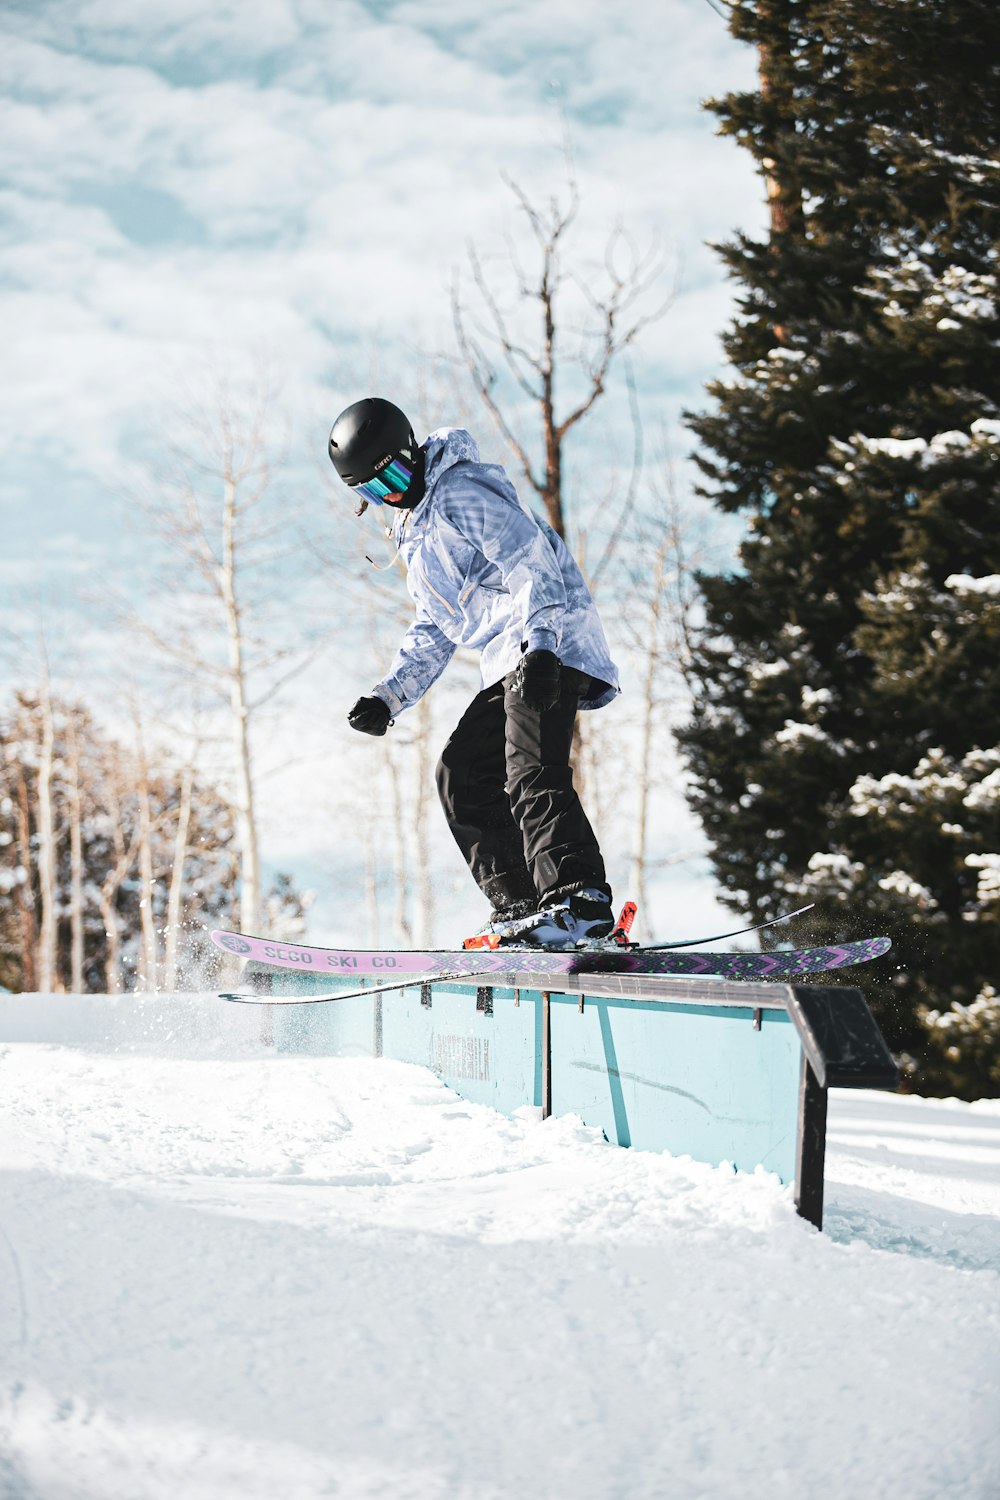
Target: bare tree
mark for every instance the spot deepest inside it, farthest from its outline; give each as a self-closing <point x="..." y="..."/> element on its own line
<point x="542" y="374"/>
<point x="372" y="903"/>
<point x="147" y="967"/>
<point x="411" y="762"/>
<point x="648" y="714"/>
<point x="177" y="867"/>
<point x="24" y="886"/>
<point x="114" y="843"/>
<point x="658" y="625"/>
<point x="74" y="794"/>
<point x="400" y="806"/>
<point x="399" y="844"/>
<point x="46" y="835"/>
<point x="583" y="324"/>
<point x="31" y="767"/>
<point x="124" y="847"/>
<point x="226" y="550"/>
<point x="424" y="801"/>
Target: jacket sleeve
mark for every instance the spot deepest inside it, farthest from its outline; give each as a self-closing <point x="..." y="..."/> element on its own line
<point x="422" y="656"/>
<point x="495" y="523"/>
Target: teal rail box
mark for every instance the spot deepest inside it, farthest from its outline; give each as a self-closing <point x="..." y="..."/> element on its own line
<point x="716" y="1070"/>
<point x="718" y="1083"/>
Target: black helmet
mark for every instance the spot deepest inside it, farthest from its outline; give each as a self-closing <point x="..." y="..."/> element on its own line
<point x="366" y="438"/>
<point x="373" y="449"/>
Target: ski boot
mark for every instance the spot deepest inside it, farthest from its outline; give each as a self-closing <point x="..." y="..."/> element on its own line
<point x="502" y="919"/>
<point x="579" y="918"/>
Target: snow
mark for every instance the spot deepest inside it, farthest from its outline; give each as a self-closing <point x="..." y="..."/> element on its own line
<point x="763" y="671"/>
<point x="815" y="698"/>
<point x="935" y="777"/>
<point x="892" y="447"/>
<point x="225" y="1272"/>
<point x="968" y="294"/>
<point x="943" y="447"/>
<point x="833" y="874"/>
<point x="989" y="880"/>
<point x="795" y="734"/>
<point x="985" y="794"/>
<point x="901" y="884"/>
<point x="965" y="583"/>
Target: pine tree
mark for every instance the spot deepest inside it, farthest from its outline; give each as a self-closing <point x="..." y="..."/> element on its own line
<point x="845" y="738"/>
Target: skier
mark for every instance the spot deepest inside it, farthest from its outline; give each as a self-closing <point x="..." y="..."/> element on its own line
<point x="484" y="573"/>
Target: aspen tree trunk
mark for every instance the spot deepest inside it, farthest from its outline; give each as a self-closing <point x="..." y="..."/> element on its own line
<point x="421" y="811"/>
<point x="148" y="956"/>
<point x="45" y="826"/>
<point x="220" y="534"/>
<point x="26" y="894"/>
<point x="371" y="893"/>
<point x="76" y="866"/>
<point x="177" y="880"/>
<point x="400" y="854"/>
<point x="642" y="794"/>
<point x="107" y="896"/>
<point x="106" y="904"/>
<point x="551" y="435"/>
<point x="651" y="672"/>
<point x="246" y="821"/>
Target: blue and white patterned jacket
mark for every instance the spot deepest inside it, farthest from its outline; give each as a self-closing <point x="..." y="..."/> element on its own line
<point x="486" y="574"/>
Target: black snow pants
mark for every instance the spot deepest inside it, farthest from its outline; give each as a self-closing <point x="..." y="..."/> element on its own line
<point x="507" y="790"/>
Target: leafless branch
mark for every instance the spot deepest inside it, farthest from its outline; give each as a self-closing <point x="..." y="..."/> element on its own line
<point x="616" y="313"/>
<point x="628" y="500"/>
<point x="484" y="379"/>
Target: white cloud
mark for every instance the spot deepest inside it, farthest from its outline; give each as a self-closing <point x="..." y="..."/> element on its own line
<point x="340" y="193"/>
<point x="244" y="28"/>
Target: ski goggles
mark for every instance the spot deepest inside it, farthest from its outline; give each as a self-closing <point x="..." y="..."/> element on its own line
<point x="395" y="479"/>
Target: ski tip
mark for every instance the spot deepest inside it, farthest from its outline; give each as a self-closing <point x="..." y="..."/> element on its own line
<point x="231" y="942"/>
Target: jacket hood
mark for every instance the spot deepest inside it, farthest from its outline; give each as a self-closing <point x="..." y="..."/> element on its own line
<point x="445" y="448"/>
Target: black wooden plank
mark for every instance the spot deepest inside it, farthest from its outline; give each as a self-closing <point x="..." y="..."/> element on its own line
<point x="810" y="1152"/>
<point x="841" y="1038"/>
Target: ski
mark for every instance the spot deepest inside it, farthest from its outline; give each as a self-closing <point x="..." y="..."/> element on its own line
<point x="252" y="998"/>
<point x="721" y="937"/>
<point x="606" y="959"/>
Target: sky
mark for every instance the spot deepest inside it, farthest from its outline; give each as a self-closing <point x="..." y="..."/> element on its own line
<point x="295" y="184"/>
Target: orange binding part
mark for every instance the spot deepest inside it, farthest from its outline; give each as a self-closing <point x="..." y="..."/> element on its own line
<point x="483" y="940"/>
<point x="622" y="928"/>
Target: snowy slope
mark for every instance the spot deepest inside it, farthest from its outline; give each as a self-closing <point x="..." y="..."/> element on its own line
<point x="225" y="1273"/>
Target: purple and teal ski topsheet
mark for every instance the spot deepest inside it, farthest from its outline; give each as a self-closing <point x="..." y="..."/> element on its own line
<point x="529" y="961"/>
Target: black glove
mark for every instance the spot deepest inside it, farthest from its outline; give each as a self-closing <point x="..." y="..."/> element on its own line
<point x="538" y="678"/>
<point x="370" y="716"/>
